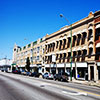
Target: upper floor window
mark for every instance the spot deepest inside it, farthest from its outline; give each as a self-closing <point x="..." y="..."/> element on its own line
<point x="90" y="34"/>
<point x="97" y="34"/>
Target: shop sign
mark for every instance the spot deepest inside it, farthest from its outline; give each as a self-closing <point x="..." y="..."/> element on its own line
<point x="69" y="65"/>
<point x="34" y="65"/>
<point x="60" y="65"/>
<point x="53" y="65"/>
<point x="47" y="65"/>
<point x="81" y="64"/>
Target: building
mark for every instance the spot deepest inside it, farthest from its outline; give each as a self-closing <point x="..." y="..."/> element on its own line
<point x="34" y="51"/>
<point x="53" y="52"/>
<point x="5" y="64"/>
<point x="85" y="49"/>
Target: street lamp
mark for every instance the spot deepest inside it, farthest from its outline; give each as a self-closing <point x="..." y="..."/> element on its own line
<point x="61" y="15"/>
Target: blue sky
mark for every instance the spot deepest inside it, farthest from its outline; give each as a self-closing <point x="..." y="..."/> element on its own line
<point x="24" y="21"/>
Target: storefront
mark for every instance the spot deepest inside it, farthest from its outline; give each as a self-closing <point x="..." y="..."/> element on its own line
<point x="82" y="70"/>
<point x="68" y="69"/>
<point x="98" y="68"/>
<point x="60" y="68"/>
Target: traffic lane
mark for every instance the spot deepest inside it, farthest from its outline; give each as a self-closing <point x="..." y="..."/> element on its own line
<point x="15" y="89"/>
<point x="94" y="91"/>
<point x="59" y="89"/>
<point x="83" y="87"/>
<point x="8" y="91"/>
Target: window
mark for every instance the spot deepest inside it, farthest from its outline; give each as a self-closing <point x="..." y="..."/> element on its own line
<point x="90" y="34"/>
<point x="97" y="34"/>
<point x="37" y="57"/>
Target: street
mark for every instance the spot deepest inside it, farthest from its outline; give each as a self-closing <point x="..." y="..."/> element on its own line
<point x="19" y="87"/>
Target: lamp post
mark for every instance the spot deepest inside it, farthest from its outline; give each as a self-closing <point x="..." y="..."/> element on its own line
<point x="61" y="15"/>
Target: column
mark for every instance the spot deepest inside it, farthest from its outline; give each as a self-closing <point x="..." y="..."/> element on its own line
<point x="95" y="73"/>
<point x="76" y="70"/>
<point x="89" y="73"/>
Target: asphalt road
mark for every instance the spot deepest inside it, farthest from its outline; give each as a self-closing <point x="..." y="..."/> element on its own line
<point x="18" y="87"/>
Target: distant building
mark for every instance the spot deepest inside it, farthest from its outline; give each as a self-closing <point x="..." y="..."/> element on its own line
<point x="35" y="52"/>
<point x="5" y="63"/>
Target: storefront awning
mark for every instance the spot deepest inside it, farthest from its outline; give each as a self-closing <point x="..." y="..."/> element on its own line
<point x="79" y="64"/>
<point x="98" y="45"/>
<point x="97" y="26"/>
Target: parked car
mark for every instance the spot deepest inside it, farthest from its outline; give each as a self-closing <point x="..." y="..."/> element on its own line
<point x="47" y="75"/>
<point x="28" y="73"/>
<point x="23" y="72"/>
<point x="61" y="76"/>
<point x="34" y="74"/>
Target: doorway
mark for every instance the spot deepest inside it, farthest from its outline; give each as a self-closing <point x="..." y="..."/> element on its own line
<point x="92" y="73"/>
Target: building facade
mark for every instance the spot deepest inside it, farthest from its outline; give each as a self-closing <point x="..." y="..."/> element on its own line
<point x="53" y="54"/>
<point x="34" y="51"/>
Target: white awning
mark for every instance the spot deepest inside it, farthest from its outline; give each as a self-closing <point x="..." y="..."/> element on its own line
<point x="83" y="64"/>
<point x="74" y="34"/>
<point x="68" y="65"/>
<point x="84" y="30"/>
<point x="47" y="65"/>
<point x="98" y="45"/>
<point x="60" y="65"/>
<point x="91" y="46"/>
<point x="90" y="28"/>
<point x="22" y="65"/>
<point x="97" y="26"/>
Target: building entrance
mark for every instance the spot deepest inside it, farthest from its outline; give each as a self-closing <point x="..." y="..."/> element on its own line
<point x="91" y="72"/>
<point x="99" y="74"/>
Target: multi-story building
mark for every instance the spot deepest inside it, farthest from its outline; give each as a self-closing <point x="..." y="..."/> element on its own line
<point x="85" y="49"/>
<point x="53" y="52"/>
<point x="34" y="51"/>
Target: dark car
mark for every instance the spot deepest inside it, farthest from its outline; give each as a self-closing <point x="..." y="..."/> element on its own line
<point x="61" y="76"/>
<point x="35" y="74"/>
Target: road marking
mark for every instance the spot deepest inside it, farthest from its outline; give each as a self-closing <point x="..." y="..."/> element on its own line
<point x="80" y="91"/>
<point x="63" y="87"/>
<point x="77" y="93"/>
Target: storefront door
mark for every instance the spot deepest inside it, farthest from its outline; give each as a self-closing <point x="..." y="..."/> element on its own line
<point x="91" y="72"/>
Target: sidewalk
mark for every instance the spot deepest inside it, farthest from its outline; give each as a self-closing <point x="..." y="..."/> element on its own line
<point x="91" y="83"/>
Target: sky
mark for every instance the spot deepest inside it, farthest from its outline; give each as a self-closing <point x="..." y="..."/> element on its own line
<point x="24" y="21"/>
